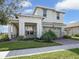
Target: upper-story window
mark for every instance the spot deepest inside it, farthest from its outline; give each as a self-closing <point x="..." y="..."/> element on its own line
<point x="44" y="12"/>
<point x="16" y="16"/>
<point x="58" y="16"/>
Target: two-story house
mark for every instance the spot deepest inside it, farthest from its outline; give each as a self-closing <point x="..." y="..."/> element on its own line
<point x="42" y="20"/>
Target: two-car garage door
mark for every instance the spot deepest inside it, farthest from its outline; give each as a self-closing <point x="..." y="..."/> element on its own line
<point x="56" y="30"/>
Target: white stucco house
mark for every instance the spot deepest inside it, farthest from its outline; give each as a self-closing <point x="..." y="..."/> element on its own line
<point x="72" y="29"/>
<point x="42" y="20"/>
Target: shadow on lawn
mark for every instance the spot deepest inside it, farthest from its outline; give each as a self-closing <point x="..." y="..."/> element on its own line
<point x="75" y="50"/>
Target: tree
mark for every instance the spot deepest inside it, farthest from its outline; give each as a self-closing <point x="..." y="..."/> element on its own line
<point x="3" y="18"/>
<point x="8" y="9"/>
<point x="1" y="2"/>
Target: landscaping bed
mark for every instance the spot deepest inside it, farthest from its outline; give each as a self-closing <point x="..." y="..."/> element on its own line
<point x="4" y="37"/>
<point x="68" y="54"/>
<point x="25" y="43"/>
<point x="4" y="46"/>
<point x="75" y="37"/>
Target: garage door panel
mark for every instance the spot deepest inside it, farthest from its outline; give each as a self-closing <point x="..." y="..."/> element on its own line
<point x="57" y="31"/>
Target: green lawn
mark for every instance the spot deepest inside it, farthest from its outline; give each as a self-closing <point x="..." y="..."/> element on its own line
<point x="69" y="54"/>
<point x="24" y="45"/>
<point x="75" y="38"/>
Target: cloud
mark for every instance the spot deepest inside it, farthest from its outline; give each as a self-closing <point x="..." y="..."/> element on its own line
<point x="74" y="21"/>
<point x="28" y="11"/>
<point x="26" y="4"/>
<point x="68" y="4"/>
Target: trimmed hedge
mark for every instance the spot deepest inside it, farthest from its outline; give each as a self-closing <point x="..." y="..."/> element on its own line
<point x="75" y="38"/>
<point x="76" y="35"/>
<point x="71" y="37"/>
<point x="66" y="37"/>
<point x="20" y="38"/>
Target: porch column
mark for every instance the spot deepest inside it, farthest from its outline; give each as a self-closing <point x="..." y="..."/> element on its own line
<point x="39" y="30"/>
<point x="9" y="31"/>
<point x="21" y="28"/>
<point x="62" y="32"/>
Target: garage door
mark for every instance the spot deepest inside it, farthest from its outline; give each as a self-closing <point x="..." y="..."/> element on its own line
<point x="56" y="30"/>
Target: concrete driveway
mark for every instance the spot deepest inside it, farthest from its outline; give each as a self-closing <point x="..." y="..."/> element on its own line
<point x="67" y="41"/>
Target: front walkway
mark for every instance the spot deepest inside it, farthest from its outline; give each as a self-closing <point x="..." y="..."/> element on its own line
<point x="67" y="41"/>
<point x="34" y="51"/>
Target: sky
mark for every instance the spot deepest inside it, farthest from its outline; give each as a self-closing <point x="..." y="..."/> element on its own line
<point x="70" y="7"/>
<point x="3" y="29"/>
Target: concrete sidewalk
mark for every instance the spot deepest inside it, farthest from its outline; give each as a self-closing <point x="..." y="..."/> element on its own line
<point x="34" y="51"/>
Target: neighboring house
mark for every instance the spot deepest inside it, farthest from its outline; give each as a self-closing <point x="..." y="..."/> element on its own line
<point x="72" y="29"/>
<point x="42" y="20"/>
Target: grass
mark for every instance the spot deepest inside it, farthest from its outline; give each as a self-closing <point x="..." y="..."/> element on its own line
<point x="71" y="37"/>
<point x="4" y="46"/>
<point x="75" y="38"/>
<point x="68" y="54"/>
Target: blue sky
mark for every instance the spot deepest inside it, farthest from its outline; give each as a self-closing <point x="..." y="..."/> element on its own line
<point x="3" y="29"/>
<point x="70" y="7"/>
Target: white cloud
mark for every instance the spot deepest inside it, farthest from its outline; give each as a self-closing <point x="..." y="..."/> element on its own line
<point x="28" y="11"/>
<point x="68" y="4"/>
<point x="74" y="21"/>
<point x="26" y="4"/>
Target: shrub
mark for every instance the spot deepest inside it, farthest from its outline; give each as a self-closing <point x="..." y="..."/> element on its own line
<point x="20" y="38"/>
<point x="75" y="38"/>
<point x="66" y="37"/>
<point x="76" y="35"/>
<point x="25" y="39"/>
<point x="48" y="36"/>
<point x="4" y="37"/>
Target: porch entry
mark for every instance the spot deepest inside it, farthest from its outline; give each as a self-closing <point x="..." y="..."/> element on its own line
<point x="30" y="30"/>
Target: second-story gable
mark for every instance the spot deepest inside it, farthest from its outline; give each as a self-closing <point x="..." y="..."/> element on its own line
<point x="50" y="15"/>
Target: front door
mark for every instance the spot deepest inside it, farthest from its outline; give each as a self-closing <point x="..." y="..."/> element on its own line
<point x="30" y="31"/>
